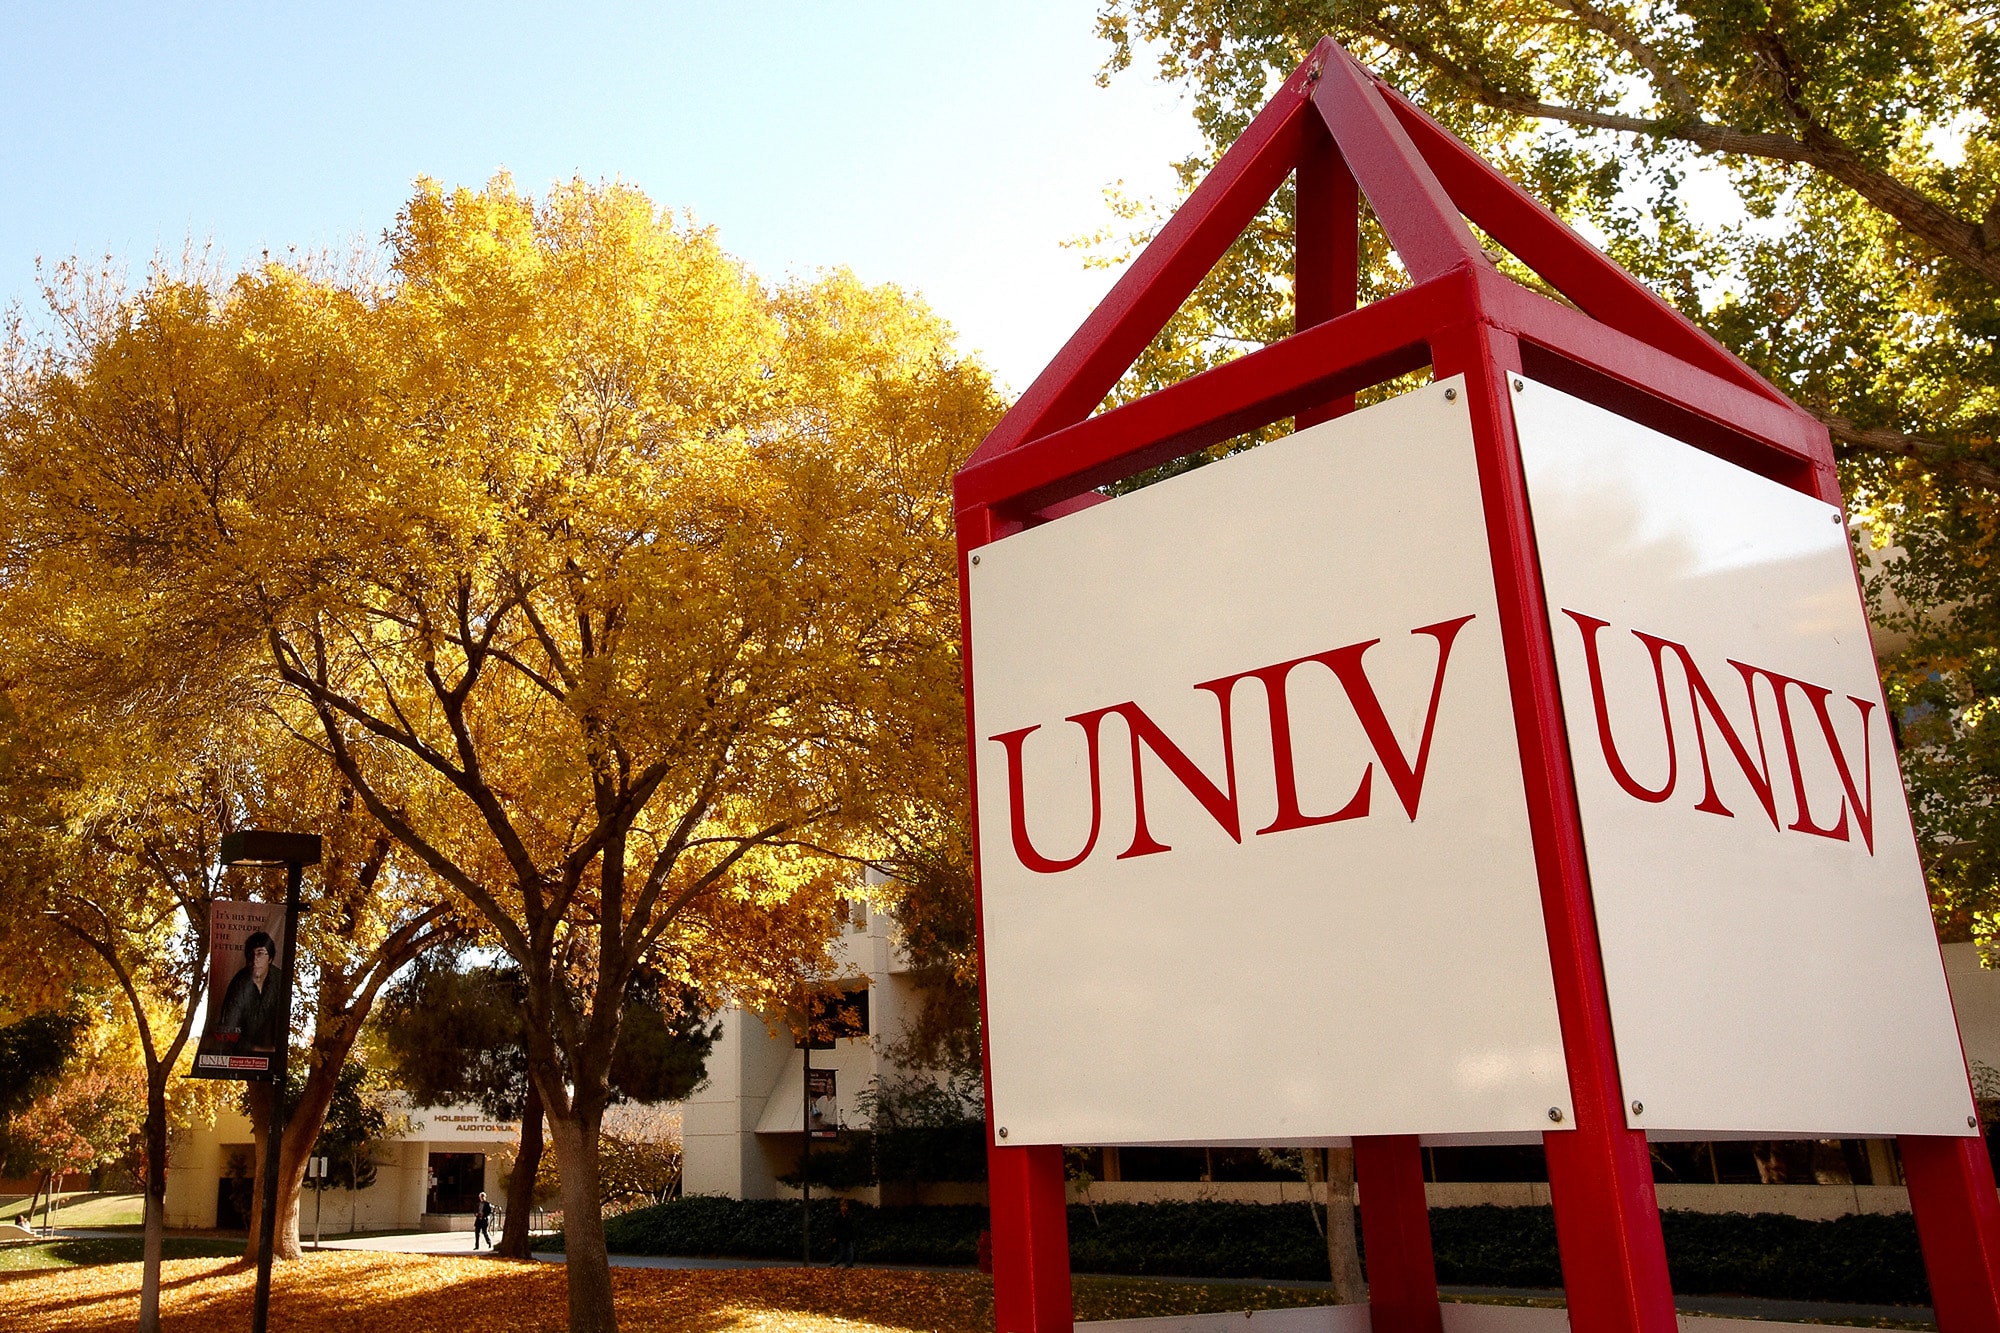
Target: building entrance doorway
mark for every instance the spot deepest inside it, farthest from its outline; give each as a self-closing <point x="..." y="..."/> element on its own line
<point x="234" y="1187"/>
<point x="455" y="1181"/>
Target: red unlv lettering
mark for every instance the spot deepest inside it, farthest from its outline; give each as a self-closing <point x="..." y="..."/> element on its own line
<point x="1703" y="702"/>
<point x="1222" y="799"/>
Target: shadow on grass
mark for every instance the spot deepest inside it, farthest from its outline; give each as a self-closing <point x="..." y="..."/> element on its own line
<point x="357" y="1291"/>
<point x="76" y="1251"/>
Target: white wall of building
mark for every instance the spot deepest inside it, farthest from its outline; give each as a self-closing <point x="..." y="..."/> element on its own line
<point x="741" y="1128"/>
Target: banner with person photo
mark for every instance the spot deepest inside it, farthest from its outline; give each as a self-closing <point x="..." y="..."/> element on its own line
<point x="241" y="1036"/>
<point x="822" y="1119"/>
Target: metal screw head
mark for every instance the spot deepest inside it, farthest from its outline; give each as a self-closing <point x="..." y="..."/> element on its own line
<point x="1518" y="386"/>
<point x="1556" y="1114"/>
<point x="1451" y="395"/>
<point x="1003" y="1131"/>
<point x="975" y="559"/>
<point x="1972" y="1122"/>
<point x="1638" y="1108"/>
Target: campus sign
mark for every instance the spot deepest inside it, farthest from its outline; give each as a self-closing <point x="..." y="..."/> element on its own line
<point x="1251" y="871"/>
<point x="1768" y="946"/>
<point x="1258" y="864"/>
<point x="1503" y="760"/>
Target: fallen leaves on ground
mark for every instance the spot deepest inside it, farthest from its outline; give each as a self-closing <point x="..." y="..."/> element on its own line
<point x="396" y="1293"/>
<point x="390" y="1293"/>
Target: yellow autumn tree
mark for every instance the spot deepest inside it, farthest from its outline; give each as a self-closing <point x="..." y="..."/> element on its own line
<point x="607" y="579"/>
<point x="136" y="676"/>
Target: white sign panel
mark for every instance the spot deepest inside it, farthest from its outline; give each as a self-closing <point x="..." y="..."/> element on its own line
<point x="1767" y="942"/>
<point x="1254" y="848"/>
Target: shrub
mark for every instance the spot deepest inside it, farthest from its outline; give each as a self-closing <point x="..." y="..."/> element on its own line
<point x="1862" y="1258"/>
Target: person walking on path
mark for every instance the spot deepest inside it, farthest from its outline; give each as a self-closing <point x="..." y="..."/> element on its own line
<point x="482" y="1218"/>
<point x="843" y="1235"/>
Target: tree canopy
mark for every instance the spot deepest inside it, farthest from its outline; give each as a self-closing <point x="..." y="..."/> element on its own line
<point x="603" y="577"/>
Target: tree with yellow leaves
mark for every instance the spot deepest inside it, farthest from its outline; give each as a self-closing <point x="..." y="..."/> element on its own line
<point x="109" y="826"/>
<point x="601" y="574"/>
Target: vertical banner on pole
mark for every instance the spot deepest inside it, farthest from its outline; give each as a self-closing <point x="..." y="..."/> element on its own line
<point x="243" y="1030"/>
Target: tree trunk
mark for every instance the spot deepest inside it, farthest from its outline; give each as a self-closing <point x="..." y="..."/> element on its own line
<point x="514" y="1238"/>
<point x="586" y="1260"/>
<point x="1343" y="1253"/>
<point x="156" y="1201"/>
<point x="302" y="1128"/>
<point x="257" y="1098"/>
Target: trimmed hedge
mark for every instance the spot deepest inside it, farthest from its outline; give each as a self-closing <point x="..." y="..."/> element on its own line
<point x="769" y="1229"/>
<point x="1871" y="1259"/>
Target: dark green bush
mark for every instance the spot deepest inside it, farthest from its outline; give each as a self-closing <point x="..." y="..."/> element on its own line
<point x="1198" y="1240"/>
<point x="1872" y="1259"/>
<point x="1496" y="1247"/>
<point x="1867" y="1259"/>
<point x="933" y="1152"/>
<point x="846" y="1161"/>
<point x="770" y="1229"/>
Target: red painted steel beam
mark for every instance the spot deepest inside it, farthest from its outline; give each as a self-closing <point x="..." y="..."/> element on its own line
<point x="1958" y="1224"/>
<point x="1772" y="438"/>
<point x="1382" y="339"/>
<point x="1600" y="1172"/>
<point x="1163" y="275"/>
<point x="1416" y="213"/>
<point x="1570" y="264"/>
<point x="1396" y="1235"/>
<point x="1025" y="1201"/>
<point x="1326" y="248"/>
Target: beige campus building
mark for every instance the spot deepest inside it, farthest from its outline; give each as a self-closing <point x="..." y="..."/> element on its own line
<point x="428" y="1175"/>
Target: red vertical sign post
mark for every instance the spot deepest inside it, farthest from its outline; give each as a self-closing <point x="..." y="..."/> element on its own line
<point x="1347" y="135"/>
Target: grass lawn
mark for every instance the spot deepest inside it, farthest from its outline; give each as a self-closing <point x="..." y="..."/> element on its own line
<point x="83" y="1209"/>
<point x="108" y="1250"/>
<point x="102" y="1210"/>
<point x="334" y="1291"/>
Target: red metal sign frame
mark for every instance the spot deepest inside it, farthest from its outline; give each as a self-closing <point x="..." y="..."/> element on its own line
<point x="1346" y="134"/>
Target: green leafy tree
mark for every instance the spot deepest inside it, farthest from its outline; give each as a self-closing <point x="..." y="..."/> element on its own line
<point x="450" y="1034"/>
<point x="355" y="1119"/>
<point x="33" y="1050"/>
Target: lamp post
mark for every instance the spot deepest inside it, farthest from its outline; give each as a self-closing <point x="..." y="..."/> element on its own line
<point x="806" y="1147"/>
<point x="294" y="851"/>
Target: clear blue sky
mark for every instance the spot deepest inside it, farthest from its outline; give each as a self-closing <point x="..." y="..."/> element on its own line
<point x="949" y="148"/>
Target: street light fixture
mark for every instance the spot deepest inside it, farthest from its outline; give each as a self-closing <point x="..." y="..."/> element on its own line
<point x="294" y="851"/>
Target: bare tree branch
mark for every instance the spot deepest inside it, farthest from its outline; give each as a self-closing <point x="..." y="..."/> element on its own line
<point x="1939" y="458"/>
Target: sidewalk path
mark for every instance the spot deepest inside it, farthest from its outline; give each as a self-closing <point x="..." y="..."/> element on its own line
<point x="672" y="1261"/>
<point x="409" y="1242"/>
